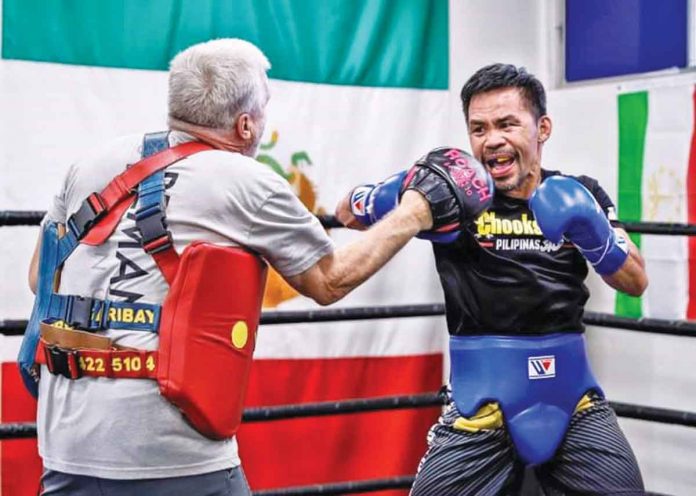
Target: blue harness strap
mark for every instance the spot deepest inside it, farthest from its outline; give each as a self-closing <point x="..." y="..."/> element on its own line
<point x="537" y="380"/>
<point x="49" y="260"/>
<point x="93" y="314"/>
<point x="150" y="217"/>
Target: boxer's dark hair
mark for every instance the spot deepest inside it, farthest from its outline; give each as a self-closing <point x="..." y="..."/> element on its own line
<point x="497" y="76"/>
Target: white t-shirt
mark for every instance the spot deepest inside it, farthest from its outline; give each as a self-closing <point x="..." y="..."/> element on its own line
<point x="123" y="428"/>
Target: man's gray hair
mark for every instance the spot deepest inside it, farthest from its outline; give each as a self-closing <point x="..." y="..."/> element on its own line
<point x="212" y="83"/>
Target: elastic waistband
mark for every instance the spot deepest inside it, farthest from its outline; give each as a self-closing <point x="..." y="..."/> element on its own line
<point x="516" y="342"/>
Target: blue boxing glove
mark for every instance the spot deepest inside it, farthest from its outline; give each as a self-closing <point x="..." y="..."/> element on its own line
<point x="370" y="202"/>
<point x="456" y="186"/>
<point x="563" y="207"/>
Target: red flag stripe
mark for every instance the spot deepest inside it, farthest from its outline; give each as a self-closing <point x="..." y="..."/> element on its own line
<point x="691" y="202"/>
<point x="289" y="452"/>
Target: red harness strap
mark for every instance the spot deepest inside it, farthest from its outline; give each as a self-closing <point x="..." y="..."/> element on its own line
<point x="167" y="260"/>
<point x="119" y="194"/>
<point x="74" y="354"/>
<point x="112" y="363"/>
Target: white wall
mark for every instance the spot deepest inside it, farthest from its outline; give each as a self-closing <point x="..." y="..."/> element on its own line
<point x="483" y="32"/>
<point x="639" y="368"/>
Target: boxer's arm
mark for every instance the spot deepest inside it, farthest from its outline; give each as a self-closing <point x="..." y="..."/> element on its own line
<point x="338" y="273"/>
<point x="631" y="277"/>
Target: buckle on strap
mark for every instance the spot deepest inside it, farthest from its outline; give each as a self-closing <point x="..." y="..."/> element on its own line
<point x="152" y="223"/>
<point x="89" y="213"/>
<point x="158" y="245"/>
<point x="79" y="312"/>
<point x="61" y="361"/>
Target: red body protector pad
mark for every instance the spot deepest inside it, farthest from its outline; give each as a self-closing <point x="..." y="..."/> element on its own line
<point x="208" y="335"/>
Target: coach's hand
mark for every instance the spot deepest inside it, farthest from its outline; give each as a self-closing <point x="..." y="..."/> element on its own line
<point x="565" y="208"/>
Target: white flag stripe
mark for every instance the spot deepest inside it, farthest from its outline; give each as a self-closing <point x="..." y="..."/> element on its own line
<point x="343" y="136"/>
<point x="668" y="137"/>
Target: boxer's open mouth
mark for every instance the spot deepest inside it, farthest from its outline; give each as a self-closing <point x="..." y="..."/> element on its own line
<point x="500" y="165"/>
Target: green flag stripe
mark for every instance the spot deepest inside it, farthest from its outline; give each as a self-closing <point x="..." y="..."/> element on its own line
<point x="633" y="122"/>
<point x="358" y="42"/>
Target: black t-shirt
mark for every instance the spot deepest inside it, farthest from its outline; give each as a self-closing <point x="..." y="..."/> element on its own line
<point x="502" y="276"/>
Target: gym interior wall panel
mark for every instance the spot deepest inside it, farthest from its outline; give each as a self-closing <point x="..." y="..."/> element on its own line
<point x="614" y="38"/>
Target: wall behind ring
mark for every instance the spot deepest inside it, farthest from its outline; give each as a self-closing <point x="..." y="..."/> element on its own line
<point x="633" y="367"/>
<point x="43" y="128"/>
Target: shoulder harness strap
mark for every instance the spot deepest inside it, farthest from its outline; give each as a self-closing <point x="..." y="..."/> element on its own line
<point x="150" y="218"/>
<point x="100" y="213"/>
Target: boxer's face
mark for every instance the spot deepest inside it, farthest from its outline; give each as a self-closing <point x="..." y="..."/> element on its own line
<point x="506" y="136"/>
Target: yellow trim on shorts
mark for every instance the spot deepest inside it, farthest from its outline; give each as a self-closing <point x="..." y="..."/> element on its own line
<point x="584" y="403"/>
<point x="488" y="417"/>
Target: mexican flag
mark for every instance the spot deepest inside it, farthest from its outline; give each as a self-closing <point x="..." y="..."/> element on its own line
<point x="657" y="183"/>
<point x="359" y="91"/>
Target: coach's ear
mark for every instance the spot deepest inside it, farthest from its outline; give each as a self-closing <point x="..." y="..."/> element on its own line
<point x="244" y="127"/>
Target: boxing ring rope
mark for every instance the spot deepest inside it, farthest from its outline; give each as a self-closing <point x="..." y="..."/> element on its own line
<point x="33" y="218"/>
<point x="403" y="482"/>
<point x="655" y="326"/>
<point x="20" y="217"/>
<point x="363" y="405"/>
<point x="261" y="414"/>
